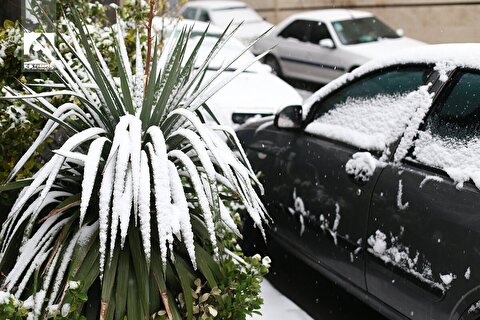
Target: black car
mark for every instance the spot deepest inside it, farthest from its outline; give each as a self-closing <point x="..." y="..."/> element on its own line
<point x="375" y="181"/>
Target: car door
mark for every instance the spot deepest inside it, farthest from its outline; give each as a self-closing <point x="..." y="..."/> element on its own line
<point x="319" y="209"/>
<point x="291" y="42"/>
<point x="325" y="62"/>
<point x="424" y="223"/>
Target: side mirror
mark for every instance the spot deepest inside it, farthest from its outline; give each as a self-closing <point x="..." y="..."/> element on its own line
<point x="289" y="118"/>
<point x="400" y="32"/>
<point x="327" y="43"/>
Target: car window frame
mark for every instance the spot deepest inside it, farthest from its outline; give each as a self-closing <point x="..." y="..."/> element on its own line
<point x="429" y="69"/>
<point x="308" y="31"/>
<point x="439" y="97"/>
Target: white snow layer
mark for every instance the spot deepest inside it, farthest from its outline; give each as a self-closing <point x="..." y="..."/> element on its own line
<point x="370" y="124"/>
<point x="459" y="159"/>
<point x="362" y="166"/>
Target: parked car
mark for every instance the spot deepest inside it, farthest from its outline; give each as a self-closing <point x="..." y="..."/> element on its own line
<point x="375" y="181"/>
<point x="255" y="92"/>
<point x="221" y="13"/>
<point x="319" y="46"/>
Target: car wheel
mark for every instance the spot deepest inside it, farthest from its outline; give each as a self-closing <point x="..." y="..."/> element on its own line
<point x="274" y="64"/>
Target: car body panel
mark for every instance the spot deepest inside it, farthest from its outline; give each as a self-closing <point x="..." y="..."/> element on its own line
<point x="438" y="223"/>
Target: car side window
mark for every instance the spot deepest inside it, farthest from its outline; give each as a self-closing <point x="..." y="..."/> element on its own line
<point x="297" y="30"/>
<point x="450" y="138"/>
<point x="372" y="112"/>
<point x="319" y="32"/>
<point x="203" y="16"/>
<point x="190" y="13"/>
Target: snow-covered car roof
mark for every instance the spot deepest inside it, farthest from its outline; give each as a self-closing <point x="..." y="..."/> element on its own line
<point x="216" y="5"/>
<point x="444" y="56"/>
<point x="329" y="15"/>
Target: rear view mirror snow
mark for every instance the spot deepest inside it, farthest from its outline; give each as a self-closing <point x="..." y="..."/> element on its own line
<point x="289" y="118"/>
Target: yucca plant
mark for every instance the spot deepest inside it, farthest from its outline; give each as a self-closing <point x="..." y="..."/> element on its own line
<point x="128" y="209"/>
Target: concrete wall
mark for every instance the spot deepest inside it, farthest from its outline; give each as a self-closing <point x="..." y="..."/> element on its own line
<point x="433" y="21"/>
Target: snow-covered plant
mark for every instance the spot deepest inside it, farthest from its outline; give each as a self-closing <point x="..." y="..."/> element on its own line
<point x="131" y="203"/>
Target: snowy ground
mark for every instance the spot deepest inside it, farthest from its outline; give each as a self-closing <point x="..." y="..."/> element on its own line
<point x="277" y="306"/>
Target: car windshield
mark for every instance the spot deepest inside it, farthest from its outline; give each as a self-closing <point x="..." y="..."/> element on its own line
<point x="222" y="17"/>
<point x="363" y="30"/>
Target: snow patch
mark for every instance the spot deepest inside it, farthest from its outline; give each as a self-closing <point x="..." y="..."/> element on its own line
<point x="430" y="178"/>
<point x="447" y="278"/>
<point x="459" y="159"/>
<point x="362" y="165"/>
<point x="399" y="256"/>
<point x="402" y="206"/>
<point x="468" y="274"/>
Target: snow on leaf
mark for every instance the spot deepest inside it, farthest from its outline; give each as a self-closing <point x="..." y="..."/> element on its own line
<point x="180" y="202"/>
<point x="106" y="189"/>
<point x="90" y="173"/>
<point x="161" y="186"/>
<point x="144" y="204"/>
<point x="136" y="144"/>
<point x="119" y="185"/>
<point x="199" y="190"/>
<point x="126" y="207"/>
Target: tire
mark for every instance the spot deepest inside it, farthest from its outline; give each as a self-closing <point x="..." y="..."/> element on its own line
<point x="274" y="64"/>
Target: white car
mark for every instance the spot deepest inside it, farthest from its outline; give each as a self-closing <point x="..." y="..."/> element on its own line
<point x="319" y="46"/>
<point x="256" y="92"/>
<point x="221" y="13"/>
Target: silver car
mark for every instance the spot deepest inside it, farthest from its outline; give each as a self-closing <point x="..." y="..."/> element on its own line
<point x="319" y="46"/>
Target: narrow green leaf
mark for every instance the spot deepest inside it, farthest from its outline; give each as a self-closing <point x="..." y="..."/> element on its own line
<point x="121" y="288"/>
<point x="186" y="280"/>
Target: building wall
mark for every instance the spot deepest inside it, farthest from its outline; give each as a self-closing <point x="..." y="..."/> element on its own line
<point x="433" y="21"/>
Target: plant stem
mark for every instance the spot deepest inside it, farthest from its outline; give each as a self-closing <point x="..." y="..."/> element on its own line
<point x="149" y="43"/>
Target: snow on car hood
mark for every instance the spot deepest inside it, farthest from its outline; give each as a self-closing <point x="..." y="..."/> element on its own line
<point x="250" y="92"/>
<point x="381" y="48"/>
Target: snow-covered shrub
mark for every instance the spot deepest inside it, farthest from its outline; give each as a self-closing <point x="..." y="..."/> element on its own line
<point x="18" y="125"/>
<point x="132" y="202"/>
